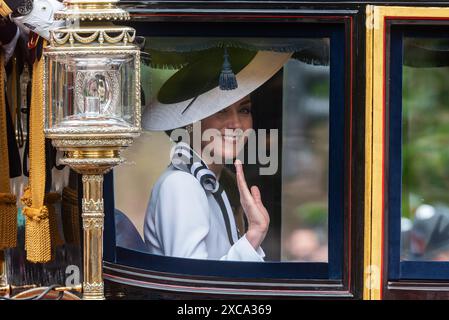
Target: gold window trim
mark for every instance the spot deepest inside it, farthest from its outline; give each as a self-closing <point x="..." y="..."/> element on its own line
<point x="376" y="17"/>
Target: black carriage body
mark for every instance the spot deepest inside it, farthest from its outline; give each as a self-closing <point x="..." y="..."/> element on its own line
<point x="125" y="272"/>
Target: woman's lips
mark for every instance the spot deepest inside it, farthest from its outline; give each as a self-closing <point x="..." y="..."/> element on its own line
<point x="230" y="138"/>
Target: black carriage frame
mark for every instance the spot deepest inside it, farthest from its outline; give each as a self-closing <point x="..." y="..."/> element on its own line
<point x="170" y="16"/>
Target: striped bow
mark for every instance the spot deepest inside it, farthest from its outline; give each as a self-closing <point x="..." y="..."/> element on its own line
<point x="185" y="159"/>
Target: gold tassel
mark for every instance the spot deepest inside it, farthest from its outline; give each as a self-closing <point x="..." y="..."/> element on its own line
<point x="38" y="222"/>
<point x="37" y="227"/>
<point x="8" y="209"/>
<point x="8" y="221"/>
<point x="37" y="238"/>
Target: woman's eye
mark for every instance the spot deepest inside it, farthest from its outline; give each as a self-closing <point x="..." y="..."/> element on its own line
<point x="245" y="110"/>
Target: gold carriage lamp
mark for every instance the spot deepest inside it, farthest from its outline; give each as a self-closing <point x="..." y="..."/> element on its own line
<point x="92" y="108"/>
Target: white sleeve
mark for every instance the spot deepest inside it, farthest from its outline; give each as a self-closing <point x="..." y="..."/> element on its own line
<point x="182" y="222"/>
<point x="182" y="217"/>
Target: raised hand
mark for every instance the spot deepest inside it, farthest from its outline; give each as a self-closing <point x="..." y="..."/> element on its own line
<point x="256" y="213"/>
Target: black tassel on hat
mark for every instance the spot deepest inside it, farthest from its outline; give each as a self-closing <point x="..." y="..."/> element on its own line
<point x="227" y="80"/>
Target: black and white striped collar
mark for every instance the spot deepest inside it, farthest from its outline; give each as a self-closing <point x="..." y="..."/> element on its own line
<point x="184" y="158"/>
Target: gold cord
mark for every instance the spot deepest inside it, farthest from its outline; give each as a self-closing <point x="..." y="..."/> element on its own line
<point x="37" y="228"/>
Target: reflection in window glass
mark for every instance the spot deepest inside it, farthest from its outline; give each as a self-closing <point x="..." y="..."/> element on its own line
<point x="284" y="99"/>
<point x="425" y="152"/>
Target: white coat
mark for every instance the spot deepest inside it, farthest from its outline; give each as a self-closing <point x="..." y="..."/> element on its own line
<point x="183" y="220"/>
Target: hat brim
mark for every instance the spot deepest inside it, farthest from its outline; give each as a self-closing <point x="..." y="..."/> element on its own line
<point x="161" y="117"/>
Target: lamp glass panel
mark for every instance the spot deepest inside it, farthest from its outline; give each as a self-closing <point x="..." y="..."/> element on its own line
<point x="88" y="90"/>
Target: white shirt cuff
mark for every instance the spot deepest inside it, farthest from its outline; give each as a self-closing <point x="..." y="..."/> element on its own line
<point x="242" y="250"/>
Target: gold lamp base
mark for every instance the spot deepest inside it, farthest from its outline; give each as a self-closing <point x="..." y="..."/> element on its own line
<point x="92" y="157"/>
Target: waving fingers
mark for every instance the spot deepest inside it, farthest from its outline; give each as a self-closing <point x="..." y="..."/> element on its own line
<point x="241" y="182"/>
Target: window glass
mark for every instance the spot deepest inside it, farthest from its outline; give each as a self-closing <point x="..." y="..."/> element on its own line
<point x="425" y="155"/>
<point x="276" y="92"/>
<point x="305" y="162"/>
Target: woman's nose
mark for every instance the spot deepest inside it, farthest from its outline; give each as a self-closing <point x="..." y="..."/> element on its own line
<point x="233" y="120"/>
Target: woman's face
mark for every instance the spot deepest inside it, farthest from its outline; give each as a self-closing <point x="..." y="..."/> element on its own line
<point x="227" y="140"/>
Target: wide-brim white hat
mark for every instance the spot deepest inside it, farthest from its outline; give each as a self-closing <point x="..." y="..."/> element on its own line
<point x="160" y="116"/>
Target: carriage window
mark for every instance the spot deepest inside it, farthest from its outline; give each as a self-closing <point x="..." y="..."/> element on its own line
<point x="425" y="156"/>
<point x="276" y="106"/>
<point x="418" y="214"/>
